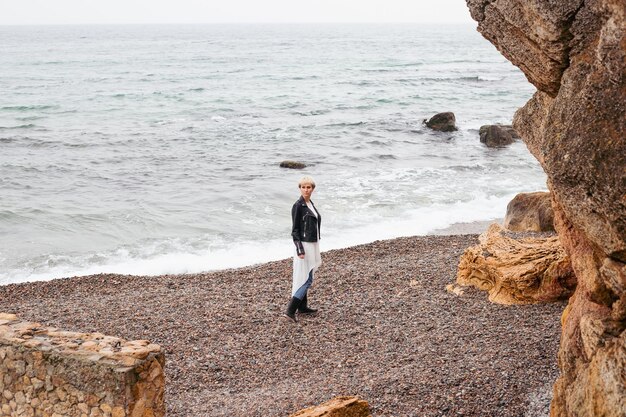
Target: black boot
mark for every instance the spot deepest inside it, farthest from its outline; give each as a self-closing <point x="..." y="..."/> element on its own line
<point x="304" y="309"/>
<point x="292" y="307"/>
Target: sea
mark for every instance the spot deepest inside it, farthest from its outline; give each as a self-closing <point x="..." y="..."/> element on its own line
<point x="155" y="149"/>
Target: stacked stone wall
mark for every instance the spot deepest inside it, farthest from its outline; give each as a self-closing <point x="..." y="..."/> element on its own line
<point x="51" y="373"/>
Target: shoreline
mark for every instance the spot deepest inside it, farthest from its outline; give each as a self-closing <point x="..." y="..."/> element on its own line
<point x="459" y="228"/>
<point x="387" y="331"/>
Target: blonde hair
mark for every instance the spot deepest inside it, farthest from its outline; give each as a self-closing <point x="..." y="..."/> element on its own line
<point x="306" y="180"/>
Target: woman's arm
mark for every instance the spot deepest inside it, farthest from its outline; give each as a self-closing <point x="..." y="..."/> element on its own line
<point x="295" y="229"/>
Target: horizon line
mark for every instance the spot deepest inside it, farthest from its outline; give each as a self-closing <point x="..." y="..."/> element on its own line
<point x="239" y="23"/>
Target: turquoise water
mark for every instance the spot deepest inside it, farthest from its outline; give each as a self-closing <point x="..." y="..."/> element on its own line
<point x="155" y="149"/>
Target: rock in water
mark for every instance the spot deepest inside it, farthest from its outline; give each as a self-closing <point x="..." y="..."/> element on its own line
<point x="511" y="131"/>
<point x="292" y="165"/>
<point x="530" y="212"/>
<point x="573" y="51"/>
<point x="442" y="122"/>
<point x="495" y="136"/>
<point x="517" y="271"/>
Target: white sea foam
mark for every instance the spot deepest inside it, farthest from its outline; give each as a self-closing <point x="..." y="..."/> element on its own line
<point x="178" y="257"/>
<point x="178" y="262"/>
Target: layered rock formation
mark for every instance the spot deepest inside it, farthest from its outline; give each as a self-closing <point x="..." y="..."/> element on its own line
<point x="517" y="271"/>
<point x="47" y="372"/>
<point x="530" y="212"/>
<point x="337" y="407"/>
<point x="573" y="51"/>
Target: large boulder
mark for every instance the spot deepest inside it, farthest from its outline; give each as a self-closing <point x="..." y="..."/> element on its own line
<point x="530" y="212"/>
<point x="337" y="407"/>
<point x="442" y="122"/>
<point x="573" y="51"/>
<point x="495" y="136"/>
<point x="517" y="270"/>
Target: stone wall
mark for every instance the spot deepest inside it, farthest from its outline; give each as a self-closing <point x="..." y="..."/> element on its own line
<point x="51" y="373"/>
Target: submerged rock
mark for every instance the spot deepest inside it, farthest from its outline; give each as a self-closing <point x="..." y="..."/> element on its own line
<point x="496" y="136"/>
<point x="442" y="122"/>
<point x="292" y="165"/>
<point x="517" y="270"/>
<point x="530" y="212"/>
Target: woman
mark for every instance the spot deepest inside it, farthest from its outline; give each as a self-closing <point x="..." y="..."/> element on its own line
<point x="305" y="231"/>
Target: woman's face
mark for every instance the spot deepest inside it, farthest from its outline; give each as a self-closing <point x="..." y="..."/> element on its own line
<point x="306" y="190"/>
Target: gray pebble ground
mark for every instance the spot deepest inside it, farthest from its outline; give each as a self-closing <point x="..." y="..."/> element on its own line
<point x="386" y="331"/>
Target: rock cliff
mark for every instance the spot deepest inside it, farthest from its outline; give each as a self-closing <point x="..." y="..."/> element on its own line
<point x="573" y="51"/>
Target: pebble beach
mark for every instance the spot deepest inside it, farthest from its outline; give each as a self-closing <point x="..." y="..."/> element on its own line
<point x="387" y="331"/>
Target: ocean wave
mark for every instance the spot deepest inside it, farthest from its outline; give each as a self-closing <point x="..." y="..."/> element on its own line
<point x="347" y="124"/>
<point x="30" y="118"/>
<point x="378" y="70"/>
<point x="408" y="64"/>
<point x="179" y="256"/>
<point x="26" y="126"/>
<point x="359" y="83"/>
<point x="409" y="81"/>
<point x="312" y="112"/>
<point x="41" y="143"/>
<point x="477" y="78"/>
<point x="8" y="215"/>
<point x="173" y="256"/>
<point x="29" y="108"/>
<point x="378" y="143"/>
<point x="23" y="168"/>
<point x="48" y="62"/>
<point x="79" y="145"/>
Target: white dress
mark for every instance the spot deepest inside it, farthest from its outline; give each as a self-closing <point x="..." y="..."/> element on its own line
<point x="312" y="260"/>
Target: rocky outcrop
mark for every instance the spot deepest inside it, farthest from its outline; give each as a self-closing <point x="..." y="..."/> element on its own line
<point x="47" y="372"/>
<point x="574" y="53"/>
<point x="514" y="270"/>
<point x="530" y="212"/>
<point x="292" y="165"/>
<point x="337" y="407"/>
<point x="442" y="122"/>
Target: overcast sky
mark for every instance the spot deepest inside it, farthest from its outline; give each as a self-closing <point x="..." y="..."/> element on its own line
<point x="20" y="12"/>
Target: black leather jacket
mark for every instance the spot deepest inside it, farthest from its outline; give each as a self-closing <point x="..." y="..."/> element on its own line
<point x="305" y="226"/>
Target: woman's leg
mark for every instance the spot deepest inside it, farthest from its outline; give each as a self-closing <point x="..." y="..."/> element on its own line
<point x="298" y="297"/>
<point x="301" y="292"/>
